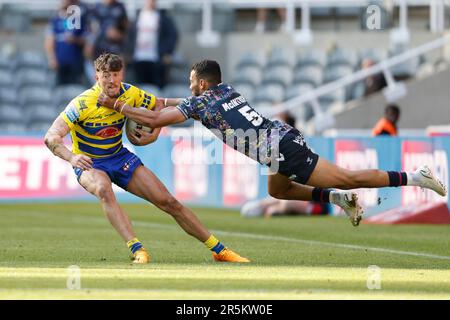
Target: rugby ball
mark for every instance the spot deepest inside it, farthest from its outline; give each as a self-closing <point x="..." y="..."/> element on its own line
<point x="131" y="125"/>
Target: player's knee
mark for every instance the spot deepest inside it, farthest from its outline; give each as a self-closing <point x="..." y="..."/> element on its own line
<point x="104" y="192"/>
<point x="170" y="205"/>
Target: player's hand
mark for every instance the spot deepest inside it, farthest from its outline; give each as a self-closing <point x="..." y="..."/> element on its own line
<point x="142" y="137"/>
<point x="106" y="101"/>
<point x="159" y="104"/>
<point x="81" y="161"/>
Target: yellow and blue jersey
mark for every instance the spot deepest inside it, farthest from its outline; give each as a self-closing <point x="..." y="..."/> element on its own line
<point x="96" y="131"/>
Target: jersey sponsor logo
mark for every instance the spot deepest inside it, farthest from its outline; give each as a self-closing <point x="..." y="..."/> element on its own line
<point x="72" y="112"/>
<point x="82" y="105"/>
<point x="107" y="132"/>
<point x="309" y="160"/>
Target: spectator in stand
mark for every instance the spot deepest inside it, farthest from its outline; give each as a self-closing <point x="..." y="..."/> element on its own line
<point x="64" y="42"/>
<point x="375" y="82"/>
<point x="109" y="25"/>
<point x="387" y="125"/>
<point x="261" y="19"/>
<point x="154" y="42"/>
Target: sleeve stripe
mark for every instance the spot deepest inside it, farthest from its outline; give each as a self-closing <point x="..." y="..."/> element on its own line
<point x="183" y="112"/>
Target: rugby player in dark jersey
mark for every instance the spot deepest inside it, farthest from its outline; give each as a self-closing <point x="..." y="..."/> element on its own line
<point x="297" y="172"/>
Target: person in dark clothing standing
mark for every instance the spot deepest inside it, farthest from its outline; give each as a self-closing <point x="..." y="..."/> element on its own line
<point x="154" y="44"/>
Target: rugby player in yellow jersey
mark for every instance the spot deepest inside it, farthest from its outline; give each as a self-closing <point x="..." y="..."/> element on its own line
<point x="99" y="158"/>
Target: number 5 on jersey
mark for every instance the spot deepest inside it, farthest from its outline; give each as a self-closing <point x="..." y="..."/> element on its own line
<point x="251" y="115"/>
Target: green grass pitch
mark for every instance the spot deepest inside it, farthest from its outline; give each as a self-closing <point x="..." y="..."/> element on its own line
<point x="292" y="257"/>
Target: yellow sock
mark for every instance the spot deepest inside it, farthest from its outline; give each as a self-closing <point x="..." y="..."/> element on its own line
<point x="134" y="245"/>
<point x="214" y="244"/>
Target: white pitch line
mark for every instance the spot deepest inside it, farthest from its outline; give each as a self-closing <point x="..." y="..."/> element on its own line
<point x="277" y="238"/>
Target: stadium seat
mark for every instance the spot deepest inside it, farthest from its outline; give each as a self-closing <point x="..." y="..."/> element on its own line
<point x="42" y="113"/>
<point x="341" y="56"/>
<point x="312" y="57"/>
<point x="357" y="90"/>
<point x="39" y="126"/>
<point x="32" y="59"/>
<point x="337" y="96"/>
<point x="6" y="78"/>
<point x="246" y="90"/>
<point x="30" y="77"/>
<point x="281" y="74"/>
<point x="312" y="74"/>
<point x="187" y="17"/>
<point x="249" y="74"/>
<point x="281" y="57"/>
<point x="6" y="62"/>
<point x="296" y="90"/>
<point x="11" y="113"/>
<point x="65" y="93"/>
<point x="223" y="18"/>
<point x="8" y="95"/>
<point x="336" y="72"/>
<point x="14" y="127"/>
<point x="251" y="59"/>
<point x="405" y="70"/>
<point x="270" y="93"/>
<point x="176" y="91"/>
<point x="29" y="96"/>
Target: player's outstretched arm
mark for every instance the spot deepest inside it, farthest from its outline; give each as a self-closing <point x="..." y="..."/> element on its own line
<point x="54" y="141"/>
<point x="149" y="118"/>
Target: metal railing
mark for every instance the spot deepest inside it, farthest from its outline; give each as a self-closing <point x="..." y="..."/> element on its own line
<point x="324" y="120"/>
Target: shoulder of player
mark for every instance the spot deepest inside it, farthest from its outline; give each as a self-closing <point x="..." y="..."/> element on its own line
<point x="87" y="99"/>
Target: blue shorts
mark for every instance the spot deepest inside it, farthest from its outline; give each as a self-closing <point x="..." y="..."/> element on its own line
<point x="119" y="167"/>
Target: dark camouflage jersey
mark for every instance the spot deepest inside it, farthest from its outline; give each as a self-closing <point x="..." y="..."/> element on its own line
<point x="228" y="115"/>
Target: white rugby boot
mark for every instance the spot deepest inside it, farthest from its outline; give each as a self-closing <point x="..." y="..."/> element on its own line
<point x="348" y="201"/>
<point x="424" y="178"/>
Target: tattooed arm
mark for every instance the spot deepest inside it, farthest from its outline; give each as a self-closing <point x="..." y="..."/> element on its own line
<point x="54" y="141"/>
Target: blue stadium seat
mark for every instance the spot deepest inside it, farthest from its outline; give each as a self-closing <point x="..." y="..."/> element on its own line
<point x="14" y="127"/>
<point x="312" y="56"/>
<point x="312" y="74"/>
<point x="11" y="113"/>
<point x="43" y="113"/>
<point x="251" y="59"/>
<point x="281" y="74"/>
<point x="8" y="95"/>
<point x="296" y="90"/>
<point x="30" y="96"/>
<point x="342" y="56"/>
<point x="281" y="57"/>
<point x="249" y="74"/>
<point x="337" y="96"/>
<point x="32" y="59"/>
<point x="246" y="90"/>
<point x="270" y="93"/>
<point x="65" y="93"/>
<point x="336" y="72"/>
<point x="31" y="77"/>
<point x="357" y="91"/>
<point x="6" y="78"/>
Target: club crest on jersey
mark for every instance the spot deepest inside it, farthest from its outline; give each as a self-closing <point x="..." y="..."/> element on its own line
<point x="299" y="140"/>
<point x="107" y="132"/>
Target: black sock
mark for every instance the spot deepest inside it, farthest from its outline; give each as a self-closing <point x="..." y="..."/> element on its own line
<point x="321" y="195"/>
<point x="397" y="178"/>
